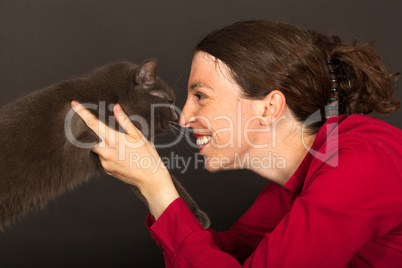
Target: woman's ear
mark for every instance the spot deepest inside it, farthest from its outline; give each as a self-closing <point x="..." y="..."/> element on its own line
<point x="270" y="107"/>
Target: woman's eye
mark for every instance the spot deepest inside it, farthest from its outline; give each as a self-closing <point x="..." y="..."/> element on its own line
<point x="199" y="96"/>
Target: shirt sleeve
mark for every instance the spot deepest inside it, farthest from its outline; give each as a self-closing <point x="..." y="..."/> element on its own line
<point x="342" y="208"/>
<point x="241" y="240"/>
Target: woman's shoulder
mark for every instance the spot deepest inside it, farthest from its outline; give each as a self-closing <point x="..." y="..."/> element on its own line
<point x="360" y="135"/>
<point x="365" y="124"/>
<point x="361" y="159"/>
<point x="359" y="144"/>
<point x="371" y="132"/>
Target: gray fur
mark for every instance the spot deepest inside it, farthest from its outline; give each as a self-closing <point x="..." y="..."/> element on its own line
<point x="38" y="163"/>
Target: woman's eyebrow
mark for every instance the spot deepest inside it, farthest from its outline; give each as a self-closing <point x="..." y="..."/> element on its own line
<point x="199" y="84"/>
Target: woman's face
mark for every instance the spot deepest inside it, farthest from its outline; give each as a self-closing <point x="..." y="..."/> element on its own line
<point x="223" y="121"/>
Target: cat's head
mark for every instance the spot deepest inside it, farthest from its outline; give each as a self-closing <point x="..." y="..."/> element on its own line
<point x="150" y="102"/>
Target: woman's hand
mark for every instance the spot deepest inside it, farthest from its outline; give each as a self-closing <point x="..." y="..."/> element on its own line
<point x="131" y="158"/>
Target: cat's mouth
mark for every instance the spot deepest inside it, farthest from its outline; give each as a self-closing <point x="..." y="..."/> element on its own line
<point x="162" y="127"/>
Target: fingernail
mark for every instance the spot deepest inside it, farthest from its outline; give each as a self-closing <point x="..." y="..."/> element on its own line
<point x="74" y="103"/>
<point x="117" y="108"/>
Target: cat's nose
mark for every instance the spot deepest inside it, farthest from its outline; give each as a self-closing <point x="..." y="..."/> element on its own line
<point x="174" y="114"/>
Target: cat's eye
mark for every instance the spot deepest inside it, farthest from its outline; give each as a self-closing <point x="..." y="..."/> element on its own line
<point x="162" y="95"/>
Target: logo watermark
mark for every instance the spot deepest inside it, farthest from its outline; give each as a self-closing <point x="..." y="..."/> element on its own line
<point x="197" y="161"/>
<point x="237" y="130"/>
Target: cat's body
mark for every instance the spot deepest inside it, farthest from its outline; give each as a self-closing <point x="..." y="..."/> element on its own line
<point x="38" y="159"/>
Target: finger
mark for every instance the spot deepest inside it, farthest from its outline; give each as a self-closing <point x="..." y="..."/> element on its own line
<point x="98" y="148"/>
<point x="90" y="120"/>
<point x="125" y="122"/>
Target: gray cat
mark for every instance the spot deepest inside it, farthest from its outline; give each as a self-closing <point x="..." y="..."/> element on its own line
<point x="39" y="159"/>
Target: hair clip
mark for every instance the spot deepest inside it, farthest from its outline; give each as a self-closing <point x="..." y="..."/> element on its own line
<point x="330" y="62"/>
<point x="339" y="75"/>
<point x="331" y="108"/>
<point x="333" y="71"/>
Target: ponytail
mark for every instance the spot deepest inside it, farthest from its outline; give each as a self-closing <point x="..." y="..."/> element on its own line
<point x="369" y="86"/>
<point x="365" y="84"/>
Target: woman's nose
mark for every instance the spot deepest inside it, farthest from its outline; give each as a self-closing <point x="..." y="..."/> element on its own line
<point x="186" y="116"/>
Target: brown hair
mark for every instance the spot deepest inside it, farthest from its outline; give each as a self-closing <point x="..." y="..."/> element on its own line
<point x="267" y="55"/>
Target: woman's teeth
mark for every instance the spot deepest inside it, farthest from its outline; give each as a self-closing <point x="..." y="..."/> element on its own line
<point x="203" y="140"/>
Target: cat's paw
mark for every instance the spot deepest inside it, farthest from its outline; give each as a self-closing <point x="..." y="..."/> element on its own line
<point x="202" y="218"/>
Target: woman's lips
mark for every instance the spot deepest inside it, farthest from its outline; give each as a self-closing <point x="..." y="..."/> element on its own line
<point x="202" y="140"/>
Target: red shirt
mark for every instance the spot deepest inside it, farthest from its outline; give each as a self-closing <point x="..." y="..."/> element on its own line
<point x="342" y="207"/>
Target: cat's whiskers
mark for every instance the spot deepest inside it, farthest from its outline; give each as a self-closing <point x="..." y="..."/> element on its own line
<point x="174" y="130"/>
<point x="173" y="123"/>
<point x="177" y="127"/>
<point x="177" y="130"/>
<point x="176" y="84"/>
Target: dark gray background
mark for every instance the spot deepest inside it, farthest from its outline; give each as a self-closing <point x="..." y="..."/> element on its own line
<point x="42" y="42"/>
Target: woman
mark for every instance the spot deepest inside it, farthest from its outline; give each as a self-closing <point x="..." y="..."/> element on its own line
<point x="264" y="88"/>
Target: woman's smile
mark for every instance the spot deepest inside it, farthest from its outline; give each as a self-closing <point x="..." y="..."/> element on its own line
<point x="202" y="141"/>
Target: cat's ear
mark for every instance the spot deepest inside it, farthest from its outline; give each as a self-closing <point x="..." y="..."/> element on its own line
<point x="147" y="72"/>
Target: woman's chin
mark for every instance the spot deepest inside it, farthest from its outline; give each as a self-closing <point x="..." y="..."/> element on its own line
<point x="214" y="165"/>
<point x="212" y="169"/>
